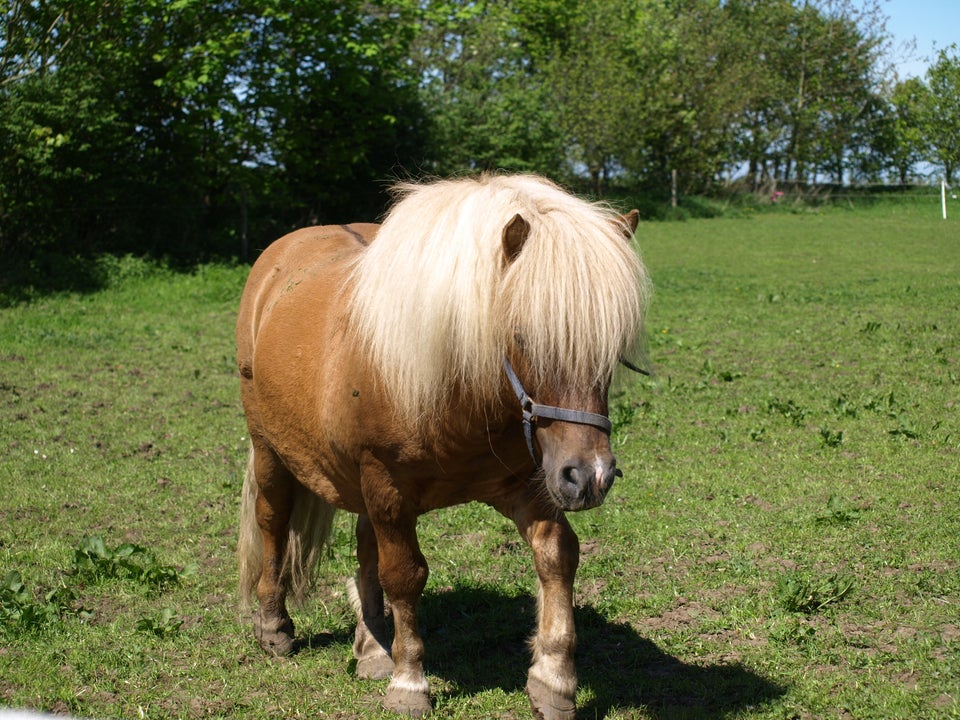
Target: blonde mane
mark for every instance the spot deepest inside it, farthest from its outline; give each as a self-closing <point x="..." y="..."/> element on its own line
<point x="437" y="306"/>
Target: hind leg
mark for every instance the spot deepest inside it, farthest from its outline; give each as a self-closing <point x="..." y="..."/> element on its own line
<point x="403" y="575"/>
<point x="366" y="595"/>
<point x="272" y="625"/>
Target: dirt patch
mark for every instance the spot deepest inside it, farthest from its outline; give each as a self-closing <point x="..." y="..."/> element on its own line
<point x="683" y="615"/>
<point x="950" y="633"/>
<point x="943" y="702"/>
<point x="758" y="502"/>
<point x="910" y="680"/>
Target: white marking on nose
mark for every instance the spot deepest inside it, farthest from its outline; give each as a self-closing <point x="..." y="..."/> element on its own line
<point x="597" y="469"/>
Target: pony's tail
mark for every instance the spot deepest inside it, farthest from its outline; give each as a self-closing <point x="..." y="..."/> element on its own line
<point x="310" y="524"/>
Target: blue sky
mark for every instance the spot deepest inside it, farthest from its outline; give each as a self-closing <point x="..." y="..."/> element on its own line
<point x="934" y="24"/>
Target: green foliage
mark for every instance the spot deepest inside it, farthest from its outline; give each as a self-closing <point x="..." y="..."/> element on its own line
<point x="21" y="613"/>
<point x="804" y="592"/>
<point x="941" y="110"/>
<point x="789" y="409"/>
<point x="93" y="560"/>
<point x="188" y="129"/>
<point x="902" y="136"/>
<point x="838" y="513"/>
<point x="164" y="625"/>
<point x="197" y="130"/>
<point x="489" y="104"/>
<point x="831" y="438"/>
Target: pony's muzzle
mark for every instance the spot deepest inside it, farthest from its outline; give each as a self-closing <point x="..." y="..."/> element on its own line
<point x="581" y="486"/>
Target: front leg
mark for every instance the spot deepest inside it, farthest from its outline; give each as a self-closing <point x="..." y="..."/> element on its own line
<point x="552" y="679"/>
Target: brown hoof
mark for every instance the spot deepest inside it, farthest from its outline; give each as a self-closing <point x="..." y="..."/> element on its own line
<point x="412" y="703"/>
<point x="548" y="705"/>
<point x="274" y="636"/>
<point x="378" y="667"/>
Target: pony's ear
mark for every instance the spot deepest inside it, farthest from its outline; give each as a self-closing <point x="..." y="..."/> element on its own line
<point x="515" y="234"/>
<point x="631" y="219"/>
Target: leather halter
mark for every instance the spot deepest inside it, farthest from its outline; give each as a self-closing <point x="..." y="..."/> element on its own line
<point x="533" y="410"/>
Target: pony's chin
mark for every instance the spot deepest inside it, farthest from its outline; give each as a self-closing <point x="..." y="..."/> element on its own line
<point x="584" y="501"/>
<point x="583" y="505"/>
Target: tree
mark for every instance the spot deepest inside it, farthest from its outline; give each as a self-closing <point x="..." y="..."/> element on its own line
<point x="595" y="73"/>
<point x="901" y="136"/>
<point x="830" y="58"/>
<point x="941" y="115"/>
<point x="705" y="70"/>
<point x="113" y="140"/>
<point x="812" y="92"/>
<point x="160" y="127"/>
<point x="479" y="65"/>
<point x="328" y="85"/>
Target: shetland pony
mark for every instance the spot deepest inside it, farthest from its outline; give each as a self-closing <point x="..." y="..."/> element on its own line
<point x="460" y="351"/>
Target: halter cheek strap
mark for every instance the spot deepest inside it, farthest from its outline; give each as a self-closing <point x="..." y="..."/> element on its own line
<point x="533" y="410"/>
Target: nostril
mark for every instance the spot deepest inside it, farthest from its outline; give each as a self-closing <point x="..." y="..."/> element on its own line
<point x="571" y="474"/>
<point x="605" y="481"/>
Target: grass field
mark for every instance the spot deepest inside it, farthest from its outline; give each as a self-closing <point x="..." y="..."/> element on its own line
<point x="785" y="542"/>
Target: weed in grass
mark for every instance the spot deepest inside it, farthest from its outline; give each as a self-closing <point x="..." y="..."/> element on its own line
<point x="792" y="630"/>
<point x="20" y="613"/>
<point x="801" y="592"/>
<point x="830" y="438"/>
<point x="622" y="412"/>
<point x="904" y="429"/>
<point x="839" y="513"/>
<point x="884" y="404"/>
<point x="163" y="625"/>
<point x="788" y="408"/>
<point x="93" y="560"/>
<point x="843" y="407"/>
<point x="710" y="374"/>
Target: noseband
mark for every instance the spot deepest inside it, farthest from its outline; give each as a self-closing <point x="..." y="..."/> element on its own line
<point x="533" y="410"/>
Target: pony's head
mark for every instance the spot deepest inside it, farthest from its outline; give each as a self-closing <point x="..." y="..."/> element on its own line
<point x="467" y="272"/>
<point x="565" y="424"/>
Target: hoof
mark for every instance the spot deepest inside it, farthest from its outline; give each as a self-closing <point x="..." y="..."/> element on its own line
<point x="412" y="703"/>
<point x="274" y="636"/>
<point x="547" y="704"/>
<point x="379" y="667"/>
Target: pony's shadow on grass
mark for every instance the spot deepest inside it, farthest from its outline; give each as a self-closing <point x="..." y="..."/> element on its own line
<point x="476" y="638"/>
<point x="320" y="640"/>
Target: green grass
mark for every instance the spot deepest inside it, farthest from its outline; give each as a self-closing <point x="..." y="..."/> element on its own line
<point x="784" y="543"/>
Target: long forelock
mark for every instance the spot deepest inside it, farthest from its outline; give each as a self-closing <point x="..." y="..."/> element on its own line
<point x="436" y="310"/>
<point x="576" y="295"/>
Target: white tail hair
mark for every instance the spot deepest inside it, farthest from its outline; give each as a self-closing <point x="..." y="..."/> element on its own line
<point x="310" y="524"/>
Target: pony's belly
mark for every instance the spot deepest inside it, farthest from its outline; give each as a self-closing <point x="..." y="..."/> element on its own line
<point x="334" y="483"/>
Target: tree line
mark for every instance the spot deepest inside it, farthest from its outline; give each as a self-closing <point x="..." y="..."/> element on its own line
<point x="196" y="128"/>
